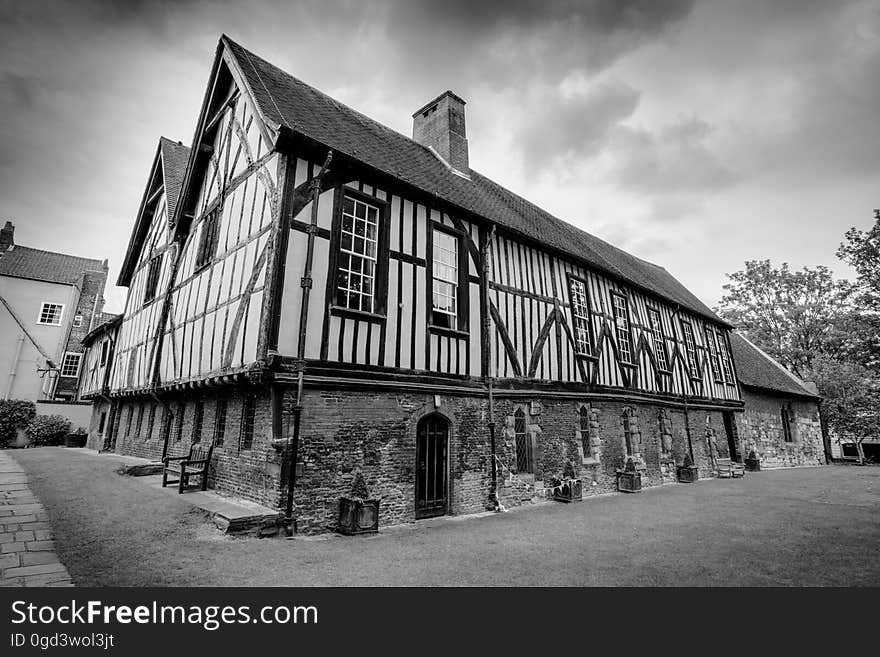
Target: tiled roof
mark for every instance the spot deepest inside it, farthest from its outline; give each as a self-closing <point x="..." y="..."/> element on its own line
<point x="286" y="101"/>
<point x="174" y="160"/>
<point x="102" y="323"/>
<point x="756" y="369"/>
<point x="172" y="157"/>
<point x="36" y="264"/>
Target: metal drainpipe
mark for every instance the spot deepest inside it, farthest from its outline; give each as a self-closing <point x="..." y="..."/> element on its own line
<point x="487" y="322"/>
<point x="306" y="284"/>
<point x="14" y="369"/>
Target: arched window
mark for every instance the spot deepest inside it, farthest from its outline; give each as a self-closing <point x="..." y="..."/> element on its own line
<point x="584" y="430"/>
<point x="524" y="460"/>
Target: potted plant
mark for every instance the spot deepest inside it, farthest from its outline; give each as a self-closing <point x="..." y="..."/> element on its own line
<point x="629" y="480"/>
<point x="688" y="473"/>
<point x="567" y="489"/>
<point x="77" y="438"/>
<point x="752" y="462"/>
<point x="358" y="513"/>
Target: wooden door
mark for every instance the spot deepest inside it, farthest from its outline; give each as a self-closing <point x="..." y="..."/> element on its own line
<point x="432" y="441"/>
<point x="730" y="430"/>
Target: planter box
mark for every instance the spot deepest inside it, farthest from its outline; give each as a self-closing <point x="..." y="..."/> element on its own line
<point x="629" y="482"/>
<point x="358" y="516"/>
<point x="688" y="474"/>
<point x="570" y="490"/>
<point x="753" y="465"/>
<point x="75" y="440"/>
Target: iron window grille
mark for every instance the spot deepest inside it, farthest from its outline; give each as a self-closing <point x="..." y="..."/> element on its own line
<point x="248" y="417"/>
<point x="584" y="431"/>
<point x="445" y="291"/>
<point x="524" y="456"/>
<point x="140" y="421"/>
<point x="198" y="418"/>
<point x="358" y="250"/>
<point x="785" y="411"/>
<point x="178" y="422"/>
<point x="580" y="311"/>
<point x="151" y="419"/>
<point x="621" y="327"/>
<point x="152" y="282"/>
<point x="659" y="339"/>
<point x="128" y="420"/>
<point x="220" y="423"/>
<point x="70" y="365"/>
<point x="50" y="314"/>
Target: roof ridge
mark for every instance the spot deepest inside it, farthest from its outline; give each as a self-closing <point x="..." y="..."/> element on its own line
<point x="58" y="253"/>
<point x="776" y="363"/>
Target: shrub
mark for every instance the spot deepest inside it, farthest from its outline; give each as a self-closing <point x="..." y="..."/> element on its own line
<point x="48" y="429"/>
<point x="359" y="487"/>
<point x="14" y="413"/>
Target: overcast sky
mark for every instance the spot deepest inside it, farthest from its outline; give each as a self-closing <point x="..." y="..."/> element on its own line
<point x="696" y="135"/>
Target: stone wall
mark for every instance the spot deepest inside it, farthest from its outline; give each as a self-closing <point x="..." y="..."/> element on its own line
<point x="760" y="429"/>
<point x="345" y="432"/>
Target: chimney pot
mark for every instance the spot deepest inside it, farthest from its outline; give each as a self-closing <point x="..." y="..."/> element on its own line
<point x="7" y="236"/>
<point x="440" y="124"/>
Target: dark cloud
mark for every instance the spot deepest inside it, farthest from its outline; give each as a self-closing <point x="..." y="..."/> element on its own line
<point x="674" y="158"/>
<point x="559" y="127"/>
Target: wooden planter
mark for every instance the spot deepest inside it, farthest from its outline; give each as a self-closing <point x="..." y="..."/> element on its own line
<point x="753" y="465"/>
<point x="629" y="482"/>
<point x="358" y="516"/>
<point x="75" y="440"/>
<point x="688" y="474"/>
<point x="570" y="490"/>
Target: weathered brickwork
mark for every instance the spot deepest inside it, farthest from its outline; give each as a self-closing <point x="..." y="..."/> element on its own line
<point x="345" y="432"/>
<point x="761" y="429"/>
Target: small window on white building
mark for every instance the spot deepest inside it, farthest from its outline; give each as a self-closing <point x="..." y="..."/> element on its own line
<point x="50" y="314"/>
<point x="70" y="365"/>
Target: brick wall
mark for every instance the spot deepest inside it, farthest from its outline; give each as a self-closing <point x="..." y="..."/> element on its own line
<point x="760" y="428"/>
<point x="345" y="432"/>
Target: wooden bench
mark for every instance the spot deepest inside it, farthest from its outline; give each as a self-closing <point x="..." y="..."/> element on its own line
<point x="727" y="468"/>
<point x="194" y="464"/>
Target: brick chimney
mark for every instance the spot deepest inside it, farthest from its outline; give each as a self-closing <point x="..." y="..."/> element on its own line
<point x="7" y="236"/>
<point x="440" y="125"/>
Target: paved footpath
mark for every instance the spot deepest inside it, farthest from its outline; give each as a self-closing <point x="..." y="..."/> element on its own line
<point x="27" y="551"/>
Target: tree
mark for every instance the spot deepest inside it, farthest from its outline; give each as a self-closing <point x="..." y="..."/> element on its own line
<point x="861" y="251"/>
<point x="851" y="399"/>
<point x="793" y="315"/>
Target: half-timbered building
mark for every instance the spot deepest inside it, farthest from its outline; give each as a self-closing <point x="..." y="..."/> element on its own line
<point x="320" y="295"/>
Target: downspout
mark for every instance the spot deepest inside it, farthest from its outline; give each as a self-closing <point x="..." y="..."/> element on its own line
<point x="14" y="365"/>
<point x="306" y="284"/>
<point x="686" y="383"/>
<point x="487" y="328"/>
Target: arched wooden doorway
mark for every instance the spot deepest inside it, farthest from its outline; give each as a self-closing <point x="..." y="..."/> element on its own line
<point x="432" y="485"/>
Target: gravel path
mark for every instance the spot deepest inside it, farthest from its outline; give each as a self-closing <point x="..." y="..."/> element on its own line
<point x="810" y="526"/>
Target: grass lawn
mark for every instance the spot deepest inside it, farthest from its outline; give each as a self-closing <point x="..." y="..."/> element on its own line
<point x="811" y="527"/>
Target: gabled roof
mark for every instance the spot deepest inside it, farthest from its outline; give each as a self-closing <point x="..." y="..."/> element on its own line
<point x="107" y="322"/>
<point x="49" y="266"/>
<point x="169" y="162"/>
<point x="174" y="159"/>
<point x="286" y="102"/>
<point x="755" y="369"/>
